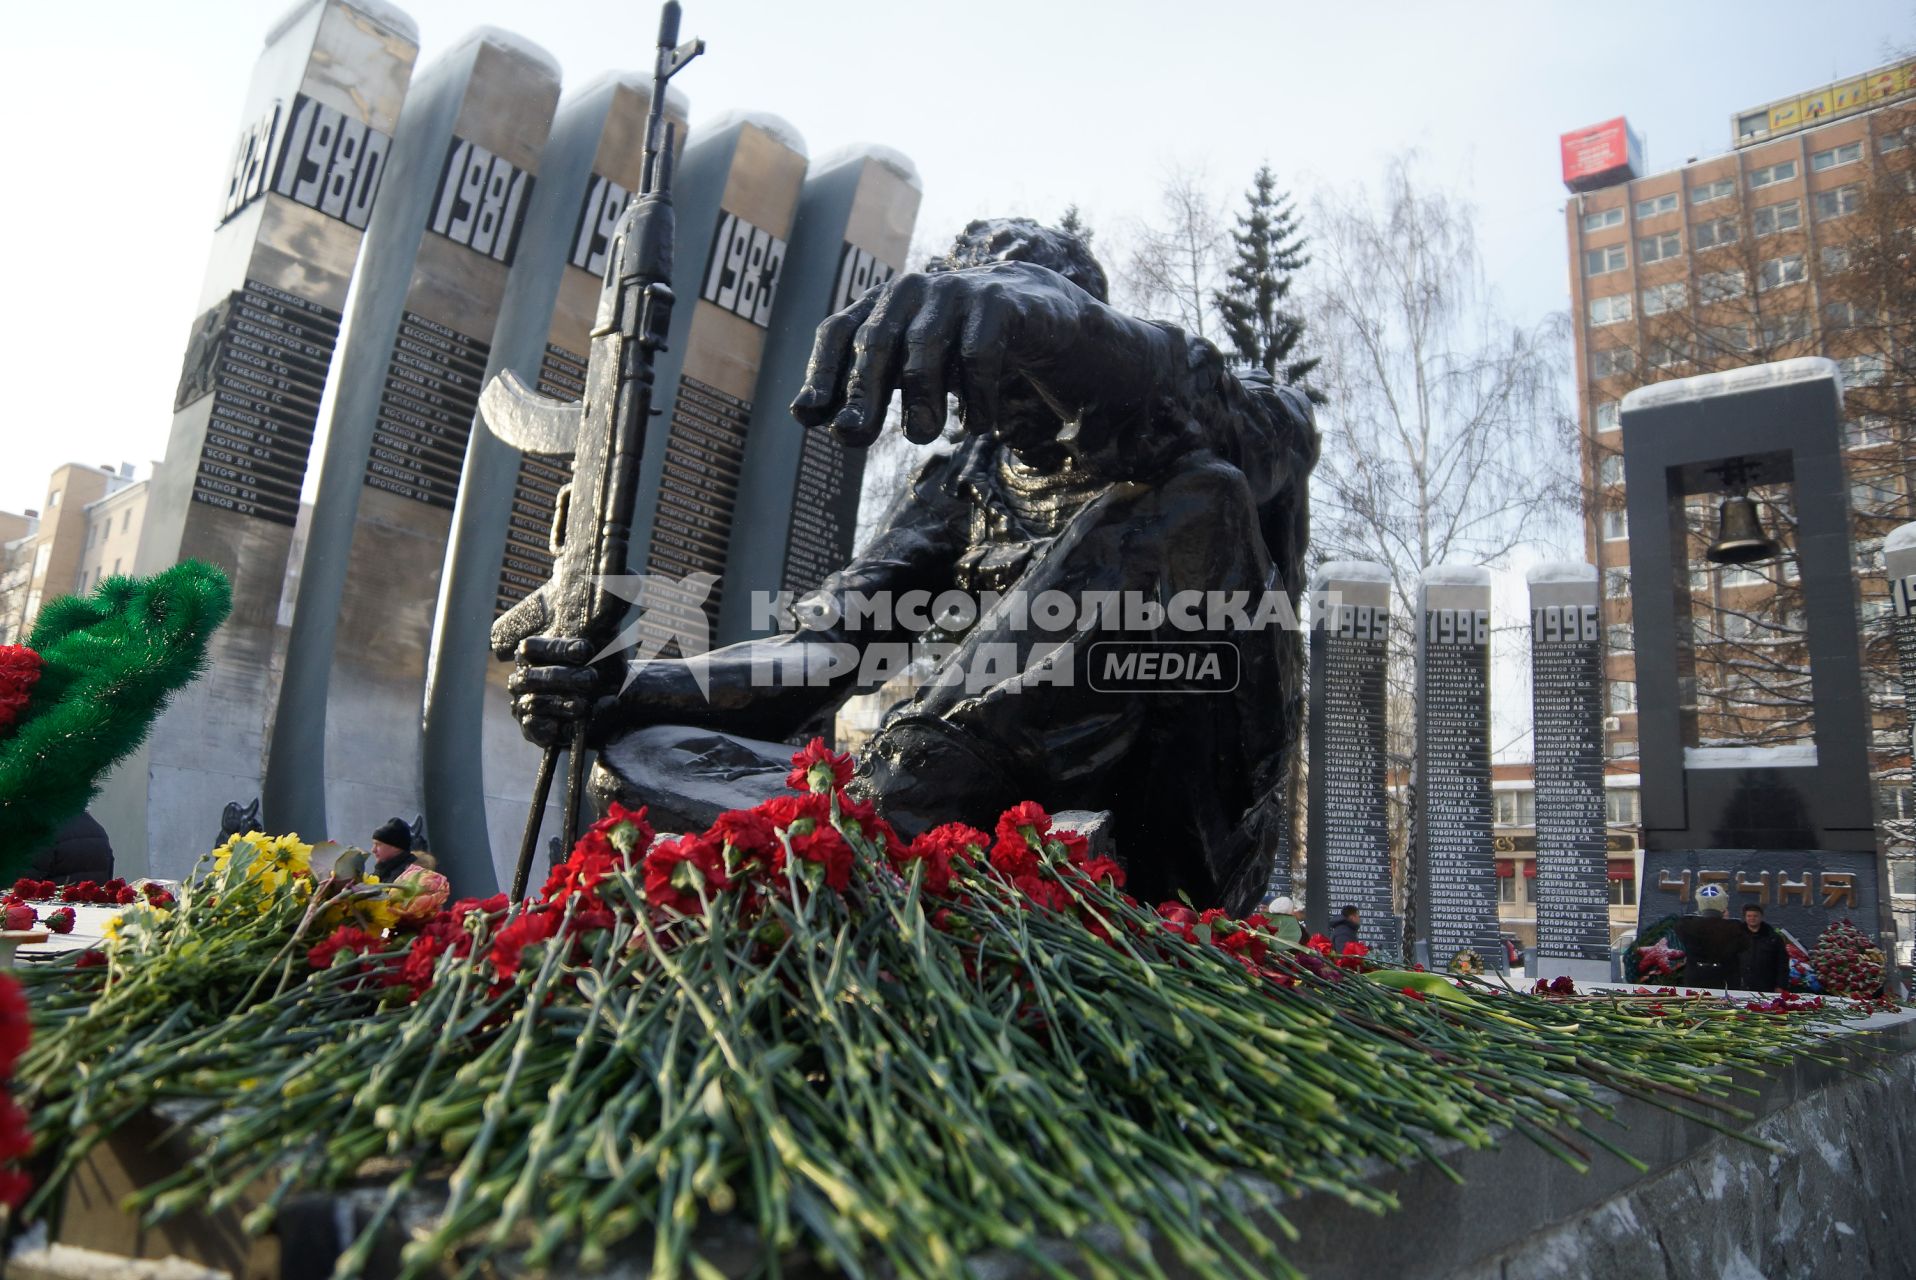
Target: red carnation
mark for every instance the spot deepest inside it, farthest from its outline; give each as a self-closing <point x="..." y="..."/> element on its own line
<point x="818" y="768"/>
<point x="676" y="870"/>
<point x="158" y="895"/>
<point x="806" y="821"/>
<point x="529" y="930"/>
<point x="938" y="848"/>
<point x="626" y="830"/>
<point x="345" y="939"/>
<point x="1023" y="826"/>
<point x="89" y="959"/>
<point x="1179" y="919"/>
<point x="60" y="921"/>
<point x="20" y="916"/>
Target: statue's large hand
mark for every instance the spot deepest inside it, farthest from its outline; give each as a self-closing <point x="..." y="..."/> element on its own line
<point x="553" y="687"/>
<point x="972" y="333"/>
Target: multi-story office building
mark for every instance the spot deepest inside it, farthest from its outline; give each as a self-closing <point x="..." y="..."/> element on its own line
<point x="1791" y="243"/>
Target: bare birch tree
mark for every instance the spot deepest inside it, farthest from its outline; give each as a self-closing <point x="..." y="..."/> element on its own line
<point x="1173" y="266"/>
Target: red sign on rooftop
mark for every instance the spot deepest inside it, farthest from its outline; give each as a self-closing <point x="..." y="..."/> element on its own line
<point x="1601" y="155"/>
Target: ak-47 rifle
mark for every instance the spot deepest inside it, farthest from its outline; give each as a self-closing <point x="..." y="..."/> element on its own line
<point x="573" y="617"/>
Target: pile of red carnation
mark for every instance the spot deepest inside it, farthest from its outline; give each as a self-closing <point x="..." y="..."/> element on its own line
<point x="1558" y="986"/>
<point x="114" y="893"/>
<point x="729" y="873"/>
<point x="18" y="912"/>
<point x="19" y="672"/>
<point x="1848" y="963"/>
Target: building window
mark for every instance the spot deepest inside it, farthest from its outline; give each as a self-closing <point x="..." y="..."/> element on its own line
<point x="53" y="499"/>
<point x="1869" y="561"/>
<point x="1706" y="191"/>
<point x="83" y="581"/>
<point x="1772" y="218"/>
<point x="1778" y="272"/>
<point x="1839" y="203"/>
<point x="1847" y="315"/>
<point x="1848" y="153"/>
<point x="1660" y="298"/>
<point x="1769" y="175"/>
<point x="1894" y="140"/>
<point x="1610" y="310"/>
<point x="1720" y="286"/>
<point x="1668" y="353"/>
<point x="1618" y="638"/>
<point x="92" y="533"/>
<point x="1516" y="808"/>
<point x="1507" y="889"/>
<point x="1616" y="524"/>
<point x="1610" y="469"/>
<point x="116" y="568"/>
<point x="1779" y="330"/>
<point x="1596" y="262"/>
<point x="1623" y="697"/>
<point x="126" y="518"/>
<point x="1727" y="337"/>
<point x="1623" y="893"/>
<point x="1603" y="218"/>
<point x="1660" y="248"/>
<point x="1741" y="575"/>
<point x="1867" y="432"/>
<point x="1862" y="371"/>
<point x="1835" y="259"/>
<point x="1871" y="496"/>
<point x="1718" y="231"/>
<point x="1623" y="748"/>
<point x="1616" y="582"/>
<point x="1611" y="362"/>
<point x="1606" y="415"/>
<point x="1657" y="204"/>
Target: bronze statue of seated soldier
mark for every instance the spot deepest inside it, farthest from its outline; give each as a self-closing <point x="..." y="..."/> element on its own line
<point x="1102" y="457"/>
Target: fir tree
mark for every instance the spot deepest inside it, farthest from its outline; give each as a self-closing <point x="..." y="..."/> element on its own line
<point x="1270" y="250"/>
<point x="1074" y="223"/>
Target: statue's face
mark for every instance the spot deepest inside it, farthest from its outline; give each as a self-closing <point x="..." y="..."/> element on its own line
<point x="1027" y="425"/>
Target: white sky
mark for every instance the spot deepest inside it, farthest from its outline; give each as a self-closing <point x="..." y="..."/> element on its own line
<point x="122" y="118"/>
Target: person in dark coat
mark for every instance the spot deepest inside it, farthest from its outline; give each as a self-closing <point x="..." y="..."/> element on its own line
<point x="1765" y="966"/>
<point x="1343" y="930"/>
<point x="1713" y="945"/>
<point x="392" y="850"/>
<point x="79" y="851"/>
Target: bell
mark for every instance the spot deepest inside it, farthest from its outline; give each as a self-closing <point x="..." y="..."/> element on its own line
<point x="1740" y="538"/>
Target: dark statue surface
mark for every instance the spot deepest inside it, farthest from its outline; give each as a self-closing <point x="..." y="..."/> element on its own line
<point x="1099" y="453"/>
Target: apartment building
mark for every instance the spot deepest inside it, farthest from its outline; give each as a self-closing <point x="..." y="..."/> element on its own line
<point x="1768" y="251"/>
<point x="47" y="561"/>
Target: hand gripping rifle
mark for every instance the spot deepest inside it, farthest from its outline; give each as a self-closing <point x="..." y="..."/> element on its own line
<point x="573" y="617"/>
